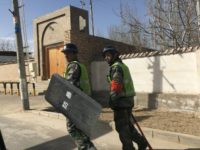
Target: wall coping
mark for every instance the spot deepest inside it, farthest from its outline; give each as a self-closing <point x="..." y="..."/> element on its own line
<point x="160" y="52"/>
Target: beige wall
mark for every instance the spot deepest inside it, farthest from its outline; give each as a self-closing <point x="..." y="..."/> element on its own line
<point x="9" y="72"/>
<point x="165" y="74"/>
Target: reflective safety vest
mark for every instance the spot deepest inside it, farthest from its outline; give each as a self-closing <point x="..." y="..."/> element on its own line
<point x="84" y="79"/>
<point x="128" y="87"/>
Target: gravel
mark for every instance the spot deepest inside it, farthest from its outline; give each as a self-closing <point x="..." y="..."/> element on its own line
<point x="181" y="122"/>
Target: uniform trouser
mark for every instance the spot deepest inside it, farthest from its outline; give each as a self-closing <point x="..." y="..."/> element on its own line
<point x="127" y="132"/>
<point x="82" y="140"/>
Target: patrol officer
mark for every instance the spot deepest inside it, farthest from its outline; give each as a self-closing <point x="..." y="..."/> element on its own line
<point x="121" y="100"/>
<point x="76" y="74"/>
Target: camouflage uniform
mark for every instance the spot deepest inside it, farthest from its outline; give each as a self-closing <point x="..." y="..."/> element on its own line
<point x="82" y="140"/>
<point x="122" y="107"/>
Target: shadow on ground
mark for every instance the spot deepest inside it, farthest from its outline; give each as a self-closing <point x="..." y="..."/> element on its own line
<point x="140" y="118"/>
<point x="66" y="142"/>
<point x="50" y="109"/>
<point x="61" y="143"/>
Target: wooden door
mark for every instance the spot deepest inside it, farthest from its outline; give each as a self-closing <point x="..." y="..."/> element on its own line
<point x="56" y="61"/>
<point x="61" y="61"/>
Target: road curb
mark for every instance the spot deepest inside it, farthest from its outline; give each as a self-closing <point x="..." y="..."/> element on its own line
<point x="173" y="137"/>
<point x="180" y="138"/>
<point x="54" y="115"/>
<point x="176" y="137"/>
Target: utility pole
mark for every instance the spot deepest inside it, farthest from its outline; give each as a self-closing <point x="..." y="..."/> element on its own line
<point x="20" y="56"/>
<point x="23" y="29"/>
<point x="92" y="18"/>
<point x="82" y="3"/>
<point x="198" y="17"/>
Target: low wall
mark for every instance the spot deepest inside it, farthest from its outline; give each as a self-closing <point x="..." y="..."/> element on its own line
<point x="159" y="74"/>
<point x="169" y="101"/>
<point x="170" y="81"/>
<point x="175" y="102"/>
<point x="9" y="72"/>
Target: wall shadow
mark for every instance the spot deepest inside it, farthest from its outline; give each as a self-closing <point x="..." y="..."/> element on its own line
<point x="152" y="101"/>
<point x="158" y="77"/>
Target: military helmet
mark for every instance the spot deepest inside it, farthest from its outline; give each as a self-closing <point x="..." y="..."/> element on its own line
<point x="70" y="47"/>
<point x="109" y="49"/>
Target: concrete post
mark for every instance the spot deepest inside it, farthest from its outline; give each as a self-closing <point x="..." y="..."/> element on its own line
<point x="20" y="57"/>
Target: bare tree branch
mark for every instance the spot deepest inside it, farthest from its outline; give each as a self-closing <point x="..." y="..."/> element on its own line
<point x="7" y="45"/>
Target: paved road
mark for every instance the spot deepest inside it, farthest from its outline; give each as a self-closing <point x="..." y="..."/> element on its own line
<point x="34" y="132"/>
<point x="11" y="104"/>
<point x="31" y="131"/>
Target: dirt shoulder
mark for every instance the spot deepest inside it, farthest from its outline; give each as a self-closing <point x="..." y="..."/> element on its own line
<point x="182" y="122"/>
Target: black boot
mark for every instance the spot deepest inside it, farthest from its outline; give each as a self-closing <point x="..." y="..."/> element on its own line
<point x="142" y="145"/>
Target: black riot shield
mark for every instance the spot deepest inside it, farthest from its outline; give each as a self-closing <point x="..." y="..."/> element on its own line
<point x="81" y="109"/>
<point x="2" y="144"/>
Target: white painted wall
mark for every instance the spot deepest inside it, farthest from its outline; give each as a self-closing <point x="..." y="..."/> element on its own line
<point x="168" y="74"/>
<point x="99" y="71"/>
